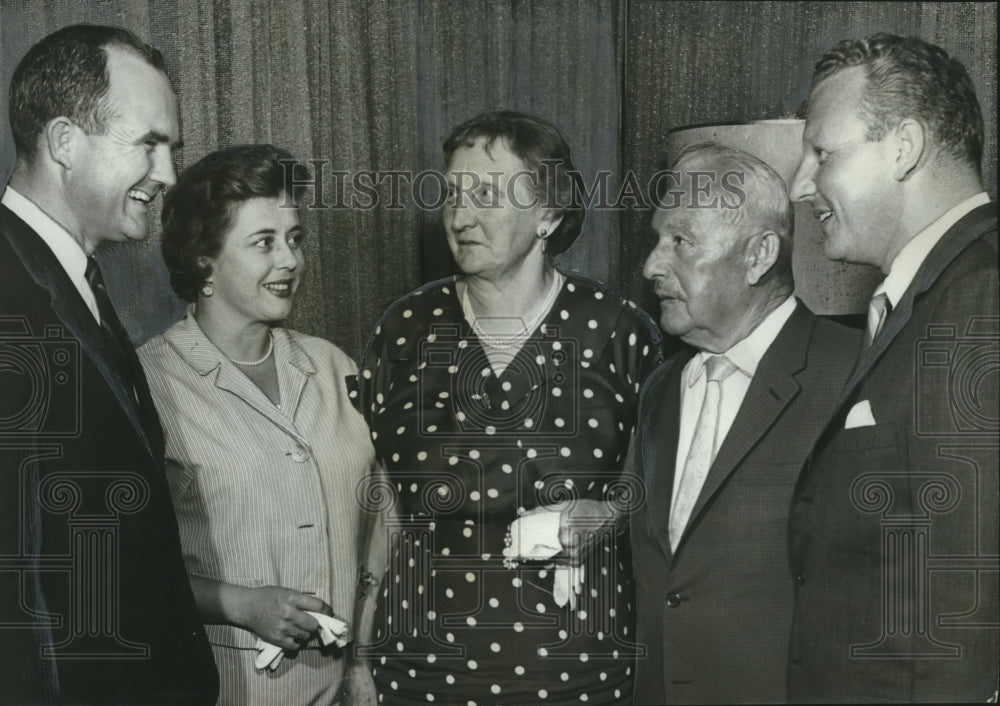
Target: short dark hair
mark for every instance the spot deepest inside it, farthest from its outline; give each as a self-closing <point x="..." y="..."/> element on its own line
<point x="908" y="77"/>
<point x="198" y="210"/>
<point x="543" y="150"/>
<point x="66" y="74"/>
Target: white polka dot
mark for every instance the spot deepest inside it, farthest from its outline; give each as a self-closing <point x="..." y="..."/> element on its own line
<point x="556" y="392"/>
<point x="505" y="386"/>
<point x="450" y="679"/>
<point x="432" y="614"/>
<point x="592" y="324"/>
<point x="467" y="532"/>
<point x="407" y="314"/>
<point x="560" y="422"/>
<point x="470" y="577"/>
<point x="542" y="693"/>
<point x="588" y="393"/>
<point x="400" y="341"/>
<point x="495" y="688"/>
<point x="519" y="670"/>
<point x="598" y="295"/>
<point x="542" y="652"/>
<point x="431" y="658"/>
<point x="438" y="311"/>
<point x="473" y="664"/>
<point x="564" y="676"/>
<point x="493" y="493"/>
<point x="452" y="369"/>
<point x="583" y="697"/>
<point x="564" y="451"/>
<point x="452" y="460"/>
<point x="587" y="353"/>
<point x="518" y="627"/>
<point x="528" y="423"/>
<point x="450" y="637"/>
<point x="506" y="468"/>
<point x="516" y="582"/>
<point x="470" y="621"/>
<point x="494" y="603"/>
<point x="540" y="607"/>
<point x="495" y="646"/>
<point x="395" y="458"/>
<point x="563" y="314"/>
<point x="474" y="496"/>
<point x="460" y="415"/>
<point x="422" y="456"/>
<point x="584" y="657"/>
<point x="557" y="346"/>
<point x="474" y="453"/>
<point x="592" y="423"/>
<point x="532" y="453"/>
<point x="598" y="453"/>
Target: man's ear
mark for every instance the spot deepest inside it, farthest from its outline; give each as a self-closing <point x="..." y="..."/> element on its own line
<point x="761" y="254"/>
<point x="909" y="141"/>
<point x="60" y="136"/>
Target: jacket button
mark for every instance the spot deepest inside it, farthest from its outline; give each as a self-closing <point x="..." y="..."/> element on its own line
<point x="800" y="578"/>
<point x="300" y="455"/>
<point x="673" y="599"/>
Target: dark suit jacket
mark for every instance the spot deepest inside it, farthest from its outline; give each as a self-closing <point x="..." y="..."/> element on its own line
<point x="715" y="616"/>
<point x="894" y="527"/>
<point x="90" y="560"/>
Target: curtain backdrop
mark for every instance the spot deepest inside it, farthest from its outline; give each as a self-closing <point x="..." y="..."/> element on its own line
<point x="377" y="85"/>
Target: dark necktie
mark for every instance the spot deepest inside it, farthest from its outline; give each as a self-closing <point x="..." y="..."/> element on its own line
<point x="110" y="324"/>
<point x="126" y="362"/>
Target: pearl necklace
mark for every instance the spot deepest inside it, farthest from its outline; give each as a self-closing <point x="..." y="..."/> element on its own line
<point x="253" y="363"/>
<point x="516" y="339"/>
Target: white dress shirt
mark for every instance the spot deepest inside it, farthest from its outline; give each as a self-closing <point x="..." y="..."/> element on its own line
<point x="67" y="251"/>
<point x="911" y="257"/>
<point x="745" y="355"/>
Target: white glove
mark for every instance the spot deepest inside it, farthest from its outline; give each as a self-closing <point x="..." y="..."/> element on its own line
<point x="331" y="630"/>
<point x="536" y="536"/>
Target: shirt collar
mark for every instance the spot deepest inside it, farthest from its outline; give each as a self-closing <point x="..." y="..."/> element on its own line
<point x="911" y="257"/>
<point x="69" y="253"/>
<point x="747" y="353"/>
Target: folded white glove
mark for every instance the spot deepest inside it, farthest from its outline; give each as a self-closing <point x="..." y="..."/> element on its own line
<point x="331" y="630"/>
<point x="536" y="536"/>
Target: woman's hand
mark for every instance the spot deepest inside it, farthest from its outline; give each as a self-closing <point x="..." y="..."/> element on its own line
<point x="277" y="615"/>
<point x="580" y="522"/>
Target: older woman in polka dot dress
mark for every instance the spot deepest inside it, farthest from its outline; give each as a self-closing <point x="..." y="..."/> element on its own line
<point x="504" y="393"/>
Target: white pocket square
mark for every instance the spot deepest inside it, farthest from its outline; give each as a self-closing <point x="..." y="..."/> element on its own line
<point x="860" y="416"/>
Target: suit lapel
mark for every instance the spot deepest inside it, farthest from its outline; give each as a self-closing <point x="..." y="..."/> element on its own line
<point x="293" y="366"/>
<point x="970" y="227"/>
<point x="771" y="390"/>
<point x="43" y="267"/>
<point x="660" y="454"/>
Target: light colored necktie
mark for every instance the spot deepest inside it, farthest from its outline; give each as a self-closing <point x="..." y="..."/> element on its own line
<point x="878" y="311"/>
<point x="703" y="446"/>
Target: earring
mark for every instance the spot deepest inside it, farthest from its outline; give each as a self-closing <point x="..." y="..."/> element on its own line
<point x="542" y="235"/>
<point x="207" y="289"/>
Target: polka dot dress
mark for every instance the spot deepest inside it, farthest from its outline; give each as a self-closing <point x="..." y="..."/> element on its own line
<point x="466" y="452"/>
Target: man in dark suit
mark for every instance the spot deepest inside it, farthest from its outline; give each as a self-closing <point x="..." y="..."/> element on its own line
<point x="95" y="605"/>
<point x="894" y="525"/>
<point x="724" y="427"/>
